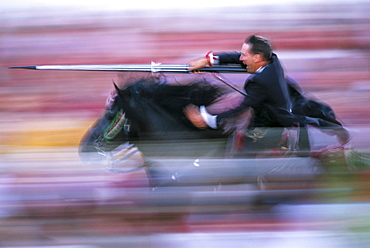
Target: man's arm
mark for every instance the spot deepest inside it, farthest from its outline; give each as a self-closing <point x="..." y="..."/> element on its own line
<point x="192" y="112"/>
<point x="199" y="117"/>
<point x="211" y="59"/>
<point x="229" y="58"/>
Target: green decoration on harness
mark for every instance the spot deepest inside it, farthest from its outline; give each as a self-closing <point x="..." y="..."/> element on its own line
<point x="116" y="126"/>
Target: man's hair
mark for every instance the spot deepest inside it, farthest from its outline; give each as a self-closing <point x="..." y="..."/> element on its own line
<point x="260" y="45"/>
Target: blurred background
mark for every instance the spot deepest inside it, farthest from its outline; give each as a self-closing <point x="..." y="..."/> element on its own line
<point x="325" y="46"/>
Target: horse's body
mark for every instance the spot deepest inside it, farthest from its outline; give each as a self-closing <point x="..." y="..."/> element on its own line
<point x="149" y="114"/>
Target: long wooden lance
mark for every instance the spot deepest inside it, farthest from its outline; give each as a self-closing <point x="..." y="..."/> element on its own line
<point x="154" y="68"/>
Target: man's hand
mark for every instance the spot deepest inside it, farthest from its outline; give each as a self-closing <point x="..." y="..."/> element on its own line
<point x="193" y="114"/>
<point x="198" y="63"/>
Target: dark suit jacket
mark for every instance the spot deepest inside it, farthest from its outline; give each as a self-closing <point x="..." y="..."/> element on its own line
<point x="267" y="94"/>
<point x="277" y="100"/>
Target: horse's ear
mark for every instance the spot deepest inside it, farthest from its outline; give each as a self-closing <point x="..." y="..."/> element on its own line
<point x="120" y="92"/>
<point x="116" y="87"/>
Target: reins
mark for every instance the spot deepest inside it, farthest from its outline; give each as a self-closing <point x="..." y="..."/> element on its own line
<point x="228" y="84"/>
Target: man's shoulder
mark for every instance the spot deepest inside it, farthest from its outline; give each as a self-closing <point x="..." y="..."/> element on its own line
<point x="266" y="74"/>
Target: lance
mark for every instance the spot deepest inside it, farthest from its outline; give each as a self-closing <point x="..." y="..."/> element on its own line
<point x="153" y="67"/>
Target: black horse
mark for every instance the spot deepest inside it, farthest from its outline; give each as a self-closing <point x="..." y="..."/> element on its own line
<point x="183" y="164"/>
<point x="148" y="115"/>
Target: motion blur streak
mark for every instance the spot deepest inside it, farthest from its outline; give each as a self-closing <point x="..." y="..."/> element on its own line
<point x="48" y="198"/>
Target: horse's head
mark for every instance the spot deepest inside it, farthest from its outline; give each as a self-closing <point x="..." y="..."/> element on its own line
<point x="149" y="109"/>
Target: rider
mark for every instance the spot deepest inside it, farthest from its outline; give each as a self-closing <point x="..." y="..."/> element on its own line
<point x="270" y="94"/>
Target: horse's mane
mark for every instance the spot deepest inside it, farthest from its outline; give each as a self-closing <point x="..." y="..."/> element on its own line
<point x="175" y="96"/>
<point x="156" y="106"/>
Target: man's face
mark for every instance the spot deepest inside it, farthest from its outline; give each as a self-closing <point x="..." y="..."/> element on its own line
<point x="249" y="59"/>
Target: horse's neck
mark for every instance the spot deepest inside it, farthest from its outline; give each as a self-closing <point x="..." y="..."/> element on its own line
<point x="157" y="109"/>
